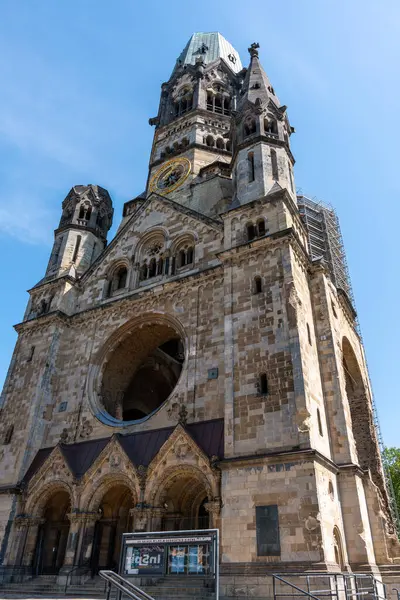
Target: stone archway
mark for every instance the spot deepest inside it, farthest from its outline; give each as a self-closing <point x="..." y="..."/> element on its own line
<point x="361" y="415"/>
<point x="114" y="517"/>
<point x="52" y="535"/>
<point x="183" y="497"/>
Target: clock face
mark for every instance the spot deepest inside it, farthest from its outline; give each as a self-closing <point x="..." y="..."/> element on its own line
<point x="170" y="176"/>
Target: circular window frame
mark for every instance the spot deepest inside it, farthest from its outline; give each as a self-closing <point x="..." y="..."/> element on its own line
<point x="100" y="361"/>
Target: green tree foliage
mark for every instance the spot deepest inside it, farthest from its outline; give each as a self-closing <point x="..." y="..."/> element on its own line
<point x="391" y="458"/>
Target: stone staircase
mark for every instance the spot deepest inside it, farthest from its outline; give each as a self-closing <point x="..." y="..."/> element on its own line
<point x="46" y="587"/>
<point x="179" y="588"/>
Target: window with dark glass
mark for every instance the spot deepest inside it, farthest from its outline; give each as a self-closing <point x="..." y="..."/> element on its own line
<point x="267" y="530"/>
<point x="250" y="163"/>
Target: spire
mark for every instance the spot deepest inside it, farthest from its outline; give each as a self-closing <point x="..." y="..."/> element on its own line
<point x="256" y="85"/>
<point x="209" y="47"/>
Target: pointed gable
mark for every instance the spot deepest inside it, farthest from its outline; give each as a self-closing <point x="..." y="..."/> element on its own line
<point x="141" y="448"/>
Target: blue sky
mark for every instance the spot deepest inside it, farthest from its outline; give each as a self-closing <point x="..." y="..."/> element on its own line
<point x="79" y="80"/>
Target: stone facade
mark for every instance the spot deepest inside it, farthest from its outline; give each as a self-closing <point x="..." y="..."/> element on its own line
<point x="205" y="319"/>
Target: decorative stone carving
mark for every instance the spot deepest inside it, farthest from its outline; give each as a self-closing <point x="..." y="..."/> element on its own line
<point x="183" y="413"/>
<point x="86" y="428"/>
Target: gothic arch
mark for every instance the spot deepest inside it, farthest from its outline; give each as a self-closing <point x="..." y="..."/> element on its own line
<point x="115" y="265"/>
<point x="338" y="548"/>
<point x="158" y="485"/>
<point x="359" y="400"/>
<point x="36" y="502"/>
<point x="92" y="502"/>
<point x="151" y="236"/>
<point x="189" y="237"/>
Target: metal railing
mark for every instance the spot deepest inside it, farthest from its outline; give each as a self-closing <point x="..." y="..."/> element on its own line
<point x="123" y="586"/>
<point x="338" y="586"/>
<point x="84" y="568"/>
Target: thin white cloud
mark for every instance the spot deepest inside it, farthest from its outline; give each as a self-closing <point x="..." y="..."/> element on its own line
<point x="27" y="220"/>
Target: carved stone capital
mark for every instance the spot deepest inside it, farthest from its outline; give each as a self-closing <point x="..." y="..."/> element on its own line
<point x="83" y="517"/>
<point x="25" y="521"/>
<point x="214" y="507"/>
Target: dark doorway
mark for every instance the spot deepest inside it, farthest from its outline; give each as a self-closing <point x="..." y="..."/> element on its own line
<point x="115" y="520"/>
<point x="53" y="536"/>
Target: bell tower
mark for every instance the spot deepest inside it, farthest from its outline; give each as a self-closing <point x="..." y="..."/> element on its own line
<point x="192" y="128"/>
<point x="82" y="233"/>
<point x="260" y="135"/>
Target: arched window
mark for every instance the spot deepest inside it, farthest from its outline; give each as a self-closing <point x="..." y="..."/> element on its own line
<point x="250" y="165"/>
<point x="331" y="490"/>
<point x="320" y="430"/>
<point x="181" y="258"/>
<point x="76" y="249"/>
<point x="31" y="353"/>
<point x="251" y="232"/>
<point x="220" y="144"/>
<point x="263" y="384"/>
<point x="152" y="268"/>
<point x="261" y="227"/>
<point x="309" y="334"/>
<point x="210" y="141"/>
<point x="143" y="272"/>
<point x="189" y="256"/>
<point x="218" y="104"/>
<point x="338" y="548"/>
<point x="81" y="212"/>
<point x="228" y="146"/>
<point x="183" y="104"/>
<point x="270" y="126"/>
<point x="8" y="434"/>
<point x="291" y="176"/>
<point x="274" y="165"/>
<point x="227" y="105"/>
<point x="257" y="285"/>
<point x="249" y="127"/>
<point x="210" y="101"/>
<point x="120" y="278"/>
<point x="160" y="264"/>
<point x="185" y="142"/>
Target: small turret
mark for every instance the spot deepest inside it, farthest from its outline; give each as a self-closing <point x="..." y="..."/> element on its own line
<point x="260" y="136"/>
<point x="82" y="233"/>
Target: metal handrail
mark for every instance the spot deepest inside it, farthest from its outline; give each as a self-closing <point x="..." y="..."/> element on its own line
<point x="346" y="578"/>
<point x="123" y="585"/>
<point x="69" y="574"/>
<point x="295" y="587"/>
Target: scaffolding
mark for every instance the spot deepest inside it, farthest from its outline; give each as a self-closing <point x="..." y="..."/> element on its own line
<point x="325" y="241"/>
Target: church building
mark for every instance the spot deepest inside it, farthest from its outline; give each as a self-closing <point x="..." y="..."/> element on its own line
<point x="204" y="368"/>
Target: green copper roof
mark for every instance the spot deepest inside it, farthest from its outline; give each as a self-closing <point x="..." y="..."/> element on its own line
<point x="210" y="46"/>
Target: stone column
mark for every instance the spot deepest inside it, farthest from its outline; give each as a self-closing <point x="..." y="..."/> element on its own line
<point x="155" y="522"/>
<point x="214" y="510"/>
<point x="21" y="529"/>
<point x="85" y="545"/>
<point x="33" y="524"/>
<point x="77" y="521"/>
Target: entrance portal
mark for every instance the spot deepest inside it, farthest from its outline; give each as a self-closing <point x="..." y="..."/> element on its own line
<point x="53" y="535"/>
<point x="184" y="501"/>
<point x="114" y="521"/>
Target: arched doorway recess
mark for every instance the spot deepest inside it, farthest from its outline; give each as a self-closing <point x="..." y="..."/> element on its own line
<point x="115" y="519"/>
<point x="183" y="500"/>
<point x="52" y="536"/>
